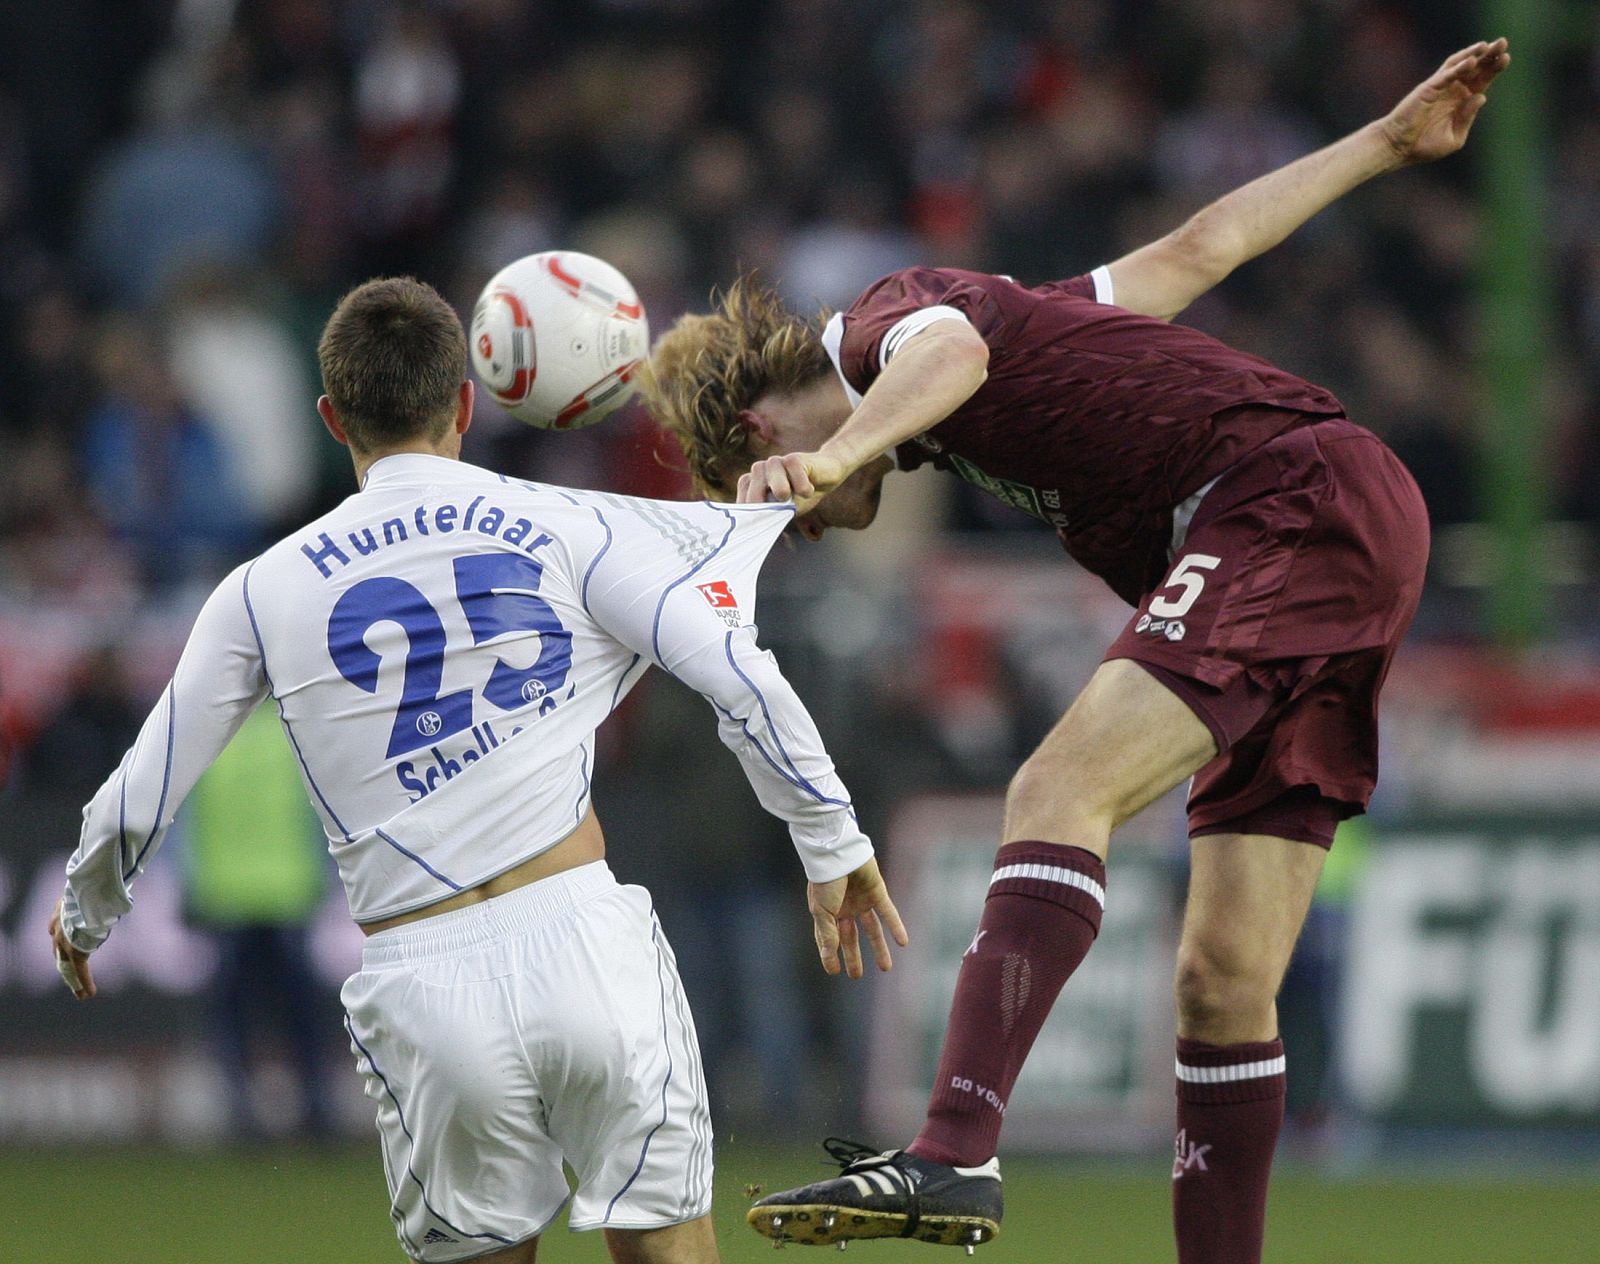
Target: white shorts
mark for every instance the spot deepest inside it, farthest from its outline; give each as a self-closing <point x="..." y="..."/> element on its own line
<point x="499" y="1039"/>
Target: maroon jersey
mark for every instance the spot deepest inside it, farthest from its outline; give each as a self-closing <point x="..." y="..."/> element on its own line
<point x="1094" y="419"/>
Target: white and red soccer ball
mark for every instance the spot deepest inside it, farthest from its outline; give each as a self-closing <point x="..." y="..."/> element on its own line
<point x="559" y="338"/>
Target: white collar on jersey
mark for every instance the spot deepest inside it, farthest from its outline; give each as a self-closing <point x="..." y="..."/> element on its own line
<point x="404" y="467"/>
<point x="832" y="336"/>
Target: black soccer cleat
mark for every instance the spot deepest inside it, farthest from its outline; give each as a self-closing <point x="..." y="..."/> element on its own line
<point x="888" y="1195"/>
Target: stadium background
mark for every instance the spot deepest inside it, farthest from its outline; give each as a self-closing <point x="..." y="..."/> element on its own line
<point x="186" y="186"/>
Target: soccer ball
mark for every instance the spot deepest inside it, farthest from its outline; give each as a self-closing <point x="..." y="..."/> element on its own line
<point x="559" y="339"/>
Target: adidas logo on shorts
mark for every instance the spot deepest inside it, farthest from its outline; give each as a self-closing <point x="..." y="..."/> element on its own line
<point x="434" y="1235"/>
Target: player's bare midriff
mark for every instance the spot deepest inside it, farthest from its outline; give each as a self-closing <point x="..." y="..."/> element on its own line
<point x="583" y="846"/>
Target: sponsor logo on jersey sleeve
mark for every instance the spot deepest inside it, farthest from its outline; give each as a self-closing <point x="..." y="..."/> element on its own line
<point x="721" y="599"/>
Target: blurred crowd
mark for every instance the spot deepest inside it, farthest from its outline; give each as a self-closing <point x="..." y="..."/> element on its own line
<point x="187" y="186"/>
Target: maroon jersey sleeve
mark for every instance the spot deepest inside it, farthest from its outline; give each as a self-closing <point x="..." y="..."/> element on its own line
<point x="889" y="300"/>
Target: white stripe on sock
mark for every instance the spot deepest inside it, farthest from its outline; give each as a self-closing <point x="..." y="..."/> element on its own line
<point x="1053" y="873"/>
<point x="1232" y="1074"/>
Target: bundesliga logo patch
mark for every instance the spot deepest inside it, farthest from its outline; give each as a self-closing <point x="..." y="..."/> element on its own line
<point x="721" y="599"/>
<point x="1172" y="629"/>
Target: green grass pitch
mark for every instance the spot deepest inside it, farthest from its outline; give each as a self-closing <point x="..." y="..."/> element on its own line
<point x="277" y="1206"/>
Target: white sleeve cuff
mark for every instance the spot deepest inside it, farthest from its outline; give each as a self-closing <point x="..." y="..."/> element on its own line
<point x="1103" y="291"/>
<point x="74" y="927"/>
<point x="824" y="864"/>
<point x="908" y="327"/>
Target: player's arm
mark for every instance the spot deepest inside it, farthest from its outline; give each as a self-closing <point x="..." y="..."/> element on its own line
<point x="932" y="374"/>
<point x="762" y="720"/>
<point x="218" y="681"/>
<point x="1433" y="120"/>
<point x="642" y="593"/>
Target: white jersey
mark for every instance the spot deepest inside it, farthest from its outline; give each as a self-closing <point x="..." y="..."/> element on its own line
<point x="441" y="648"/>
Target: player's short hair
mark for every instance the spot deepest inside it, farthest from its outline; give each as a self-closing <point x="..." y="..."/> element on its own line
<point x="393" y="357"/>
<point x="706" y="370"/>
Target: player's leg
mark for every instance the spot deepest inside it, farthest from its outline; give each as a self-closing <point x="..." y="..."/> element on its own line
<point x="467" y="1027"/>
<point x="1126" y="740"/>
<point x="693" y="1242"/>
<point x="1248" y="897"/>
<point x="632" y="1118"/>
<point x="522" y="1253"/>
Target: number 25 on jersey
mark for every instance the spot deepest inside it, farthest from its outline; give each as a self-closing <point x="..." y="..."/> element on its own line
<point x="498" y="593"/>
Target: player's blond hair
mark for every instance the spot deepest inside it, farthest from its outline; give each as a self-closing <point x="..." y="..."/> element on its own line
<point x="708" y="369"/>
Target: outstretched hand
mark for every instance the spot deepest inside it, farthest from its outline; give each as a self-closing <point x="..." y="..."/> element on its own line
<point x="837" y="906"/>
<point x="1437" y="114"/>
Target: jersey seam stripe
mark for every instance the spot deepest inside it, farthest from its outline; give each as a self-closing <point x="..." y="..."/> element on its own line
<point x="644" y="1150"/>
<point x="383" y="1079"/>
<point x="1051" y="873"/>
<point x="166" y="781"/>
<point x="122" y="815"/>
<point x="699" y="1116"/>
<point x="411" y="855"/>
<point x="283" y="718"/>
<point x="583" y="593"/>
<point x="655" y="630"/>
<point x="775" y="766"/>
<point x="617" y="692"/>
<point x="694" y="1128"/>
<point x="775" y="504"/>
<point x="798" y="778"/>
<point x="1232" y="1074"/>
<point x="727" y="650"/>
<point x="583" y="795"/>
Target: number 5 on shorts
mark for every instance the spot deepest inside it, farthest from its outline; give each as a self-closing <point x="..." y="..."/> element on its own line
<point x="1185" y="574"/>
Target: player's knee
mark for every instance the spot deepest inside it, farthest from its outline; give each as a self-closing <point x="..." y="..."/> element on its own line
<point x="1217" y="991"/>
<point x="1047" y="790"/>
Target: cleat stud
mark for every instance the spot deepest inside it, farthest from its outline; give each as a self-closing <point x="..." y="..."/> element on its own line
<point x="829" y="1219"/>
<point x="777" y="1222"/>
<point x="968" y="1248"/>
<point x="842" y="1244"/>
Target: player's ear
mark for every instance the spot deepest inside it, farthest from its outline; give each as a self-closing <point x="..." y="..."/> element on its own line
<point x="758" y="425"/>
<point x="464" y="406"/>
<point x="330" y="419"/>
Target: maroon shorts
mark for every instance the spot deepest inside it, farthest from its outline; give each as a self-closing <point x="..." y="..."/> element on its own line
<point x="1287" y="597"/>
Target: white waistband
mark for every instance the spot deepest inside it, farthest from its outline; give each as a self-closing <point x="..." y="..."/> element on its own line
<point x="523" y="909"/>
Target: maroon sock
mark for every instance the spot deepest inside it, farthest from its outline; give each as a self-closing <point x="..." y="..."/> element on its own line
<point x="1230" y="1107"/>
<point x="1041" y="915"/>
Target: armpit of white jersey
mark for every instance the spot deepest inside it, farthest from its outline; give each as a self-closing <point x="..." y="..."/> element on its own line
<point x="441" y="648"/>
